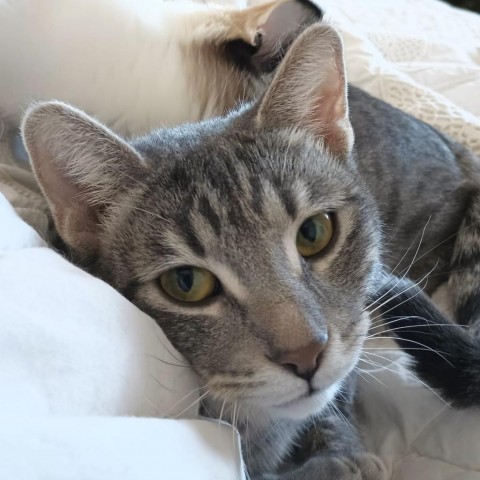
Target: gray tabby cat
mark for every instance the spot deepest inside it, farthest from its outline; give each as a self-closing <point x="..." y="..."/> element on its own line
<point x="255" y="241"/>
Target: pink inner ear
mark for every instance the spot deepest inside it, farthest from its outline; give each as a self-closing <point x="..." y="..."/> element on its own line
<point x="329" y="114"/>
<point x="75" y="220"/>
<point x="61" y="190"/>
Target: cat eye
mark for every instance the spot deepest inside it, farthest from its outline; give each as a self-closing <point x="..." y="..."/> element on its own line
<point x="315" y="234"/>
<point x="189" y="284"/>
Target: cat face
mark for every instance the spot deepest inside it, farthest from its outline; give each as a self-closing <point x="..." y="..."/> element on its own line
<point x="236" y="212"/>
<point x="249" y="239"/>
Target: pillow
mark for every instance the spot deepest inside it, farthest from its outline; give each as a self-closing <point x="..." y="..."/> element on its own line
<point x="81" y="448"/>
<point x="72" y="345"/>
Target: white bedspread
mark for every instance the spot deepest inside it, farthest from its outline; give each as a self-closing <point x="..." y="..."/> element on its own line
<point x="71" y="346"/>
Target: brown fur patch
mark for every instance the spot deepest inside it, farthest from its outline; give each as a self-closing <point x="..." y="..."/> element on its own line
<point x="208" y="68"/>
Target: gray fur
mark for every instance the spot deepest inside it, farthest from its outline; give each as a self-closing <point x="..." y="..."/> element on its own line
<point x="224" y="195"/>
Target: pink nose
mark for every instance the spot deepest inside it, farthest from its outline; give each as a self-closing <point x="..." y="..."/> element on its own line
<point x="304" y="361"/>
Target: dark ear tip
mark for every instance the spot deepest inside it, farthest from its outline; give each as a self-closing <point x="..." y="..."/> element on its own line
<point x="316" y="11"/>
<point x="269" y="47"/>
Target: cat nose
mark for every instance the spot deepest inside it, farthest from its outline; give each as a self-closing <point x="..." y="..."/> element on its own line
<point x="304" y="361"/>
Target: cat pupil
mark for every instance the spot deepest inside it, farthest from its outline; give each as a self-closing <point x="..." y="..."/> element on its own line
<point x="184" y="278"/>
<point x="309" y="231"/>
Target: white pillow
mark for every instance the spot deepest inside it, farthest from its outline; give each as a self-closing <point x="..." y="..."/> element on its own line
<point x="71" y="345"/>
<point x="117" y="448"/>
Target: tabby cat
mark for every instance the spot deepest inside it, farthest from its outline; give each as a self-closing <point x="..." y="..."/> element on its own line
<point x="257" y="240"/>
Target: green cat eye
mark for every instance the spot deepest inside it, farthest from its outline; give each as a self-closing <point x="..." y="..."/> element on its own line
<point x="315" y="234"/>
<point x="189" y="284"/>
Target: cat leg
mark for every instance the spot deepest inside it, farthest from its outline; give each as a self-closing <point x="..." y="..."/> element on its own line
<point x="331" y="448"/>
<point x="338" y="466"/>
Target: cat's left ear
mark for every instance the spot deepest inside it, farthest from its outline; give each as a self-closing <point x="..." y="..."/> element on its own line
<point x="309" y="91"/>
<point x="82" y="168"/>
<point x="260" y="35"/>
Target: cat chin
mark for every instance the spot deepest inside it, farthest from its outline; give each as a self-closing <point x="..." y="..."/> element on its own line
<point x="304" y="407"/>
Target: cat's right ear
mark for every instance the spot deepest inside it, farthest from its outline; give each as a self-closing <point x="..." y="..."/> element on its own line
<point x="81" y="167"/>
<point x="309" y="91"/>
<point x="267" y="30"/>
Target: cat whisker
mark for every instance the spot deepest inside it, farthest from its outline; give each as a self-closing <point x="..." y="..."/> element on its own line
<point x="395" y="318"/>
<point x="193" y="391"/>
<point x="167" y="363"/>
<point x="340" y="416"/>
<point x="198" y="400"/>
<point x="169" y="351"/>
<point x="444" y="241"/>
<point x="380" y="315"/>
<point x="440" y="354"/>
<point x="399" y="262"/>
<point x="221" y="410"/>
<point x="361" y="371"/>
<point x="380" y="321"/>
<point x="422" y="235"/>
<point x="414" y="284"/>
<point x="341" y="395"/>
<point x="234" y="424"/>
<point x="156" y="380"/>
<point x="407" y="327"/>
<point x="396" y="349"/>
<point x="403" y="368"/>
<point x="246" y="438"/>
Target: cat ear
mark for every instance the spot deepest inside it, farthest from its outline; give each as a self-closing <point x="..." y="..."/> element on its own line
<point x="81" y="166"/>
<point x="262" y="34"/>
<point x="309" y="91"/>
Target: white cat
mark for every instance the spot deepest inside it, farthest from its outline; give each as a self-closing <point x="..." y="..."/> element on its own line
<point x="136" y="64"/>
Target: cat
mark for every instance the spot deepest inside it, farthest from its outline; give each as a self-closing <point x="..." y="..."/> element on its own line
<point x="257" y="240"/>
<point x="135" y="65"/>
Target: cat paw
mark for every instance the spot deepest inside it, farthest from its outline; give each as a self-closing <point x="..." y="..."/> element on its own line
<point x="370" y="467"/>
<point x="363" y="466"/>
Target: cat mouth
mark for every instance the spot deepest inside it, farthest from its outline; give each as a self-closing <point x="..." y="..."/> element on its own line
<point x="308" y="403"/>
<point x="312" y="392"/>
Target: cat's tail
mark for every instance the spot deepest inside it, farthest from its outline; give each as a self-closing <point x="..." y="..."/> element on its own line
<point x="464" y="277"/>
<point x="444" y="354"/>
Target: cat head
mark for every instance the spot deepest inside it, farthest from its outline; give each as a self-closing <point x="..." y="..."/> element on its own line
<point x="250" y="238"/>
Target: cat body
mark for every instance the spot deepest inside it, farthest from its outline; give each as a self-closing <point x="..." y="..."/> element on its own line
<point x="257" y="241"/>
<point x="404" y="162"/>
<point x="135" y="65"/>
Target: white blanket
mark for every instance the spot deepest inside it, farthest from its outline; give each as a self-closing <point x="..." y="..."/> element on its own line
<point x="70" y="345"/>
